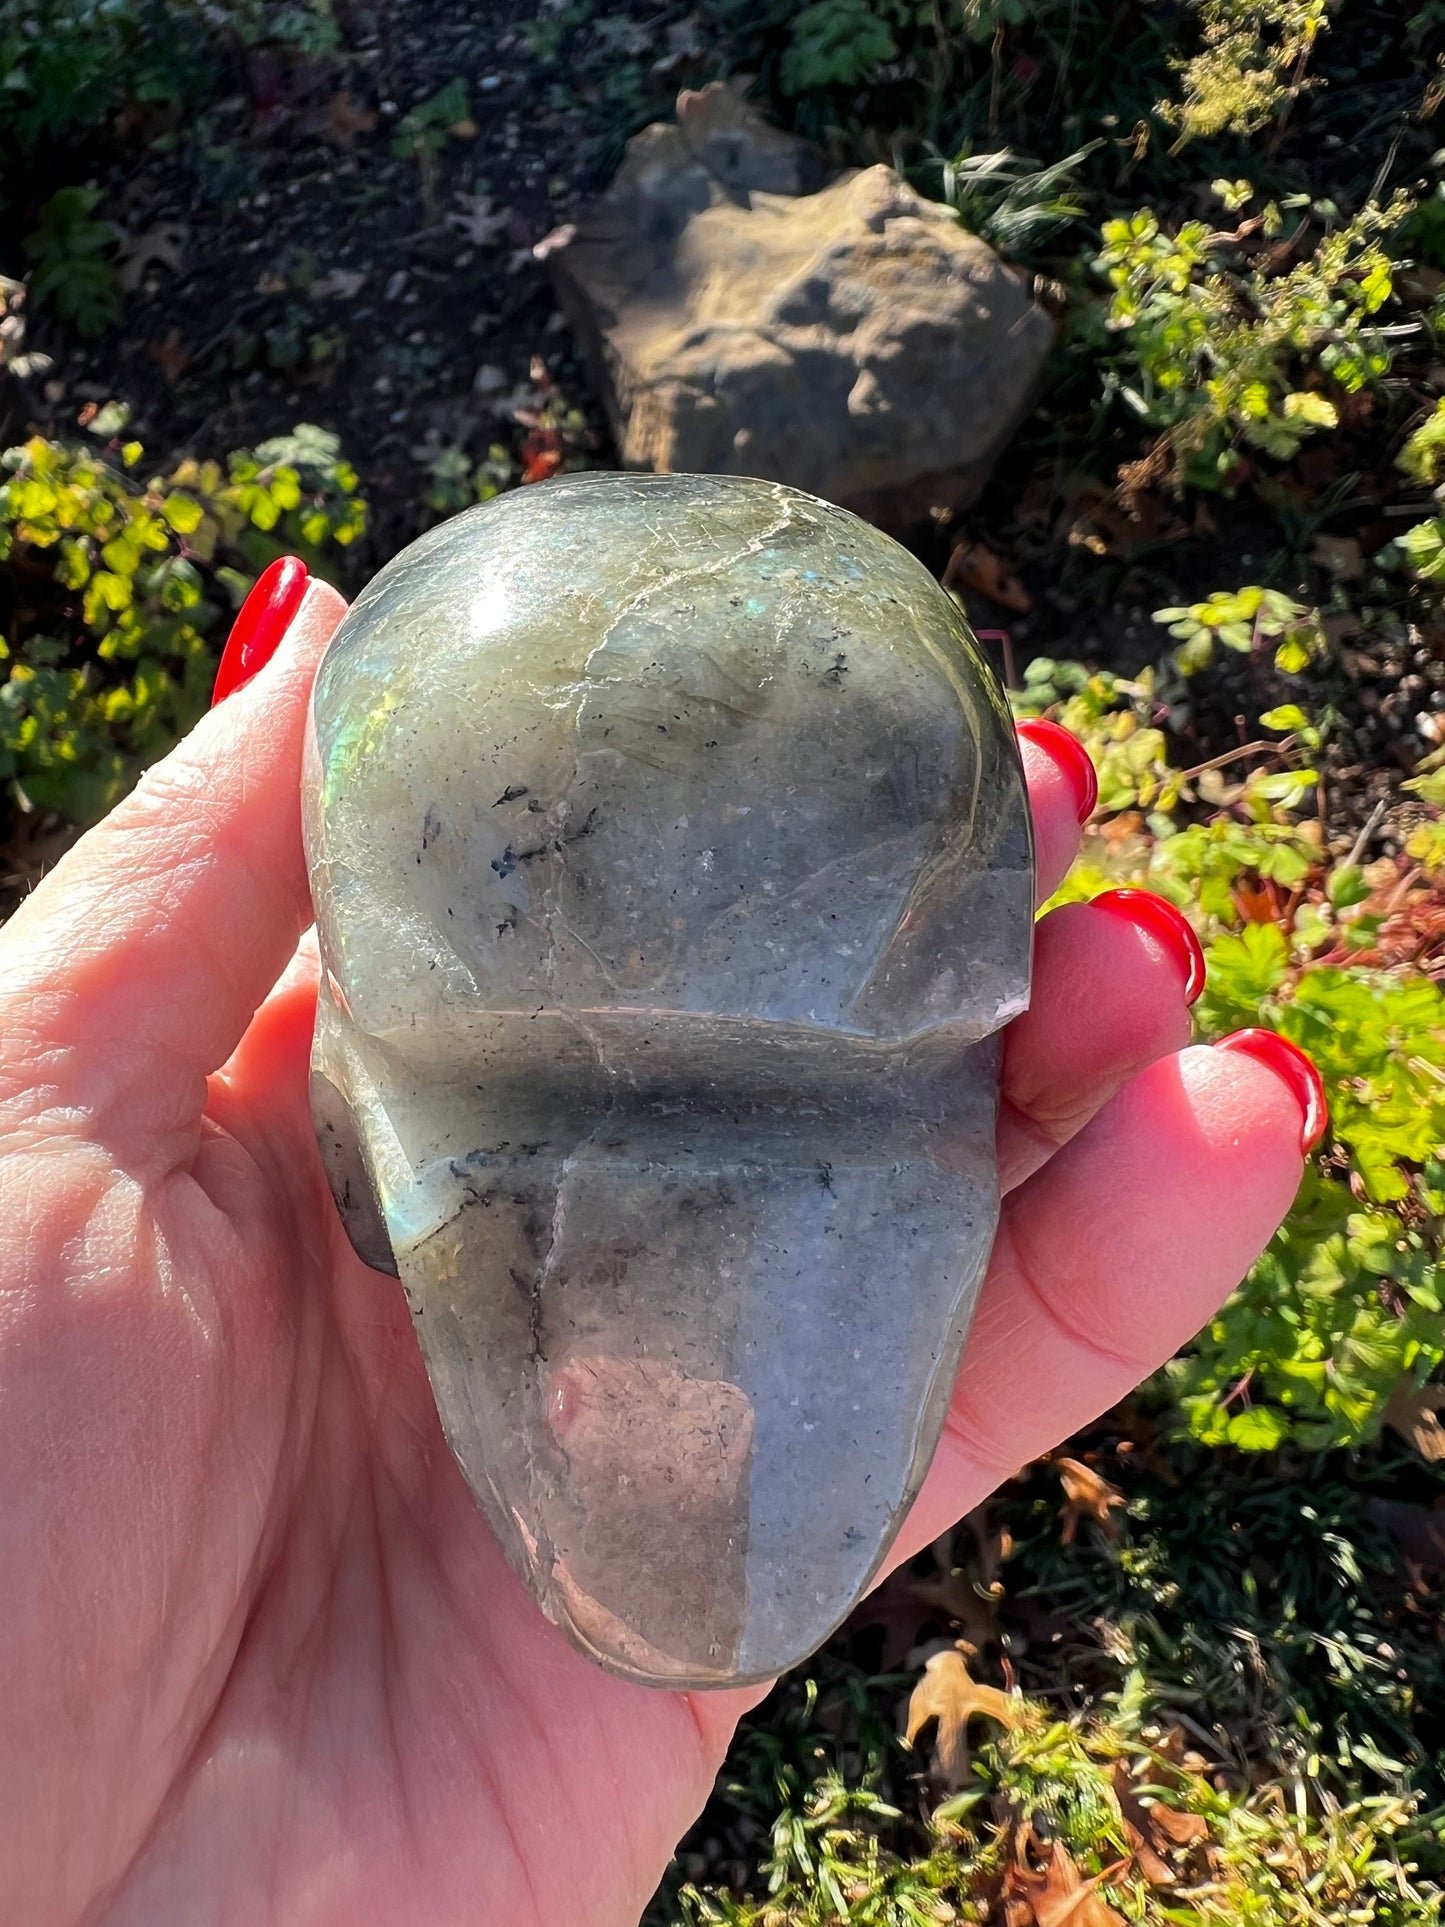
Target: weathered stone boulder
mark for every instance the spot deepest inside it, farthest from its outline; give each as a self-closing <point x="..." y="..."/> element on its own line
<point x="850" y="339"/>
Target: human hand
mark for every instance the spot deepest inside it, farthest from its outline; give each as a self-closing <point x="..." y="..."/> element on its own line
<point x="261" y="1659"/>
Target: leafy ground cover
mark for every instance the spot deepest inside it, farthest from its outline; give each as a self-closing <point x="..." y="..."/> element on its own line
<point x="1188" y="1670"/>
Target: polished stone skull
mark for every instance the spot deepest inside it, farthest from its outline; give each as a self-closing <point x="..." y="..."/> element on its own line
<point x="673" y="877"/>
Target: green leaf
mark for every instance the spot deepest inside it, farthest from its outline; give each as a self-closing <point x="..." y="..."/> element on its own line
<point x="1288" y="716"/>
<point x="1316" y="410"/>
<point x="183" y="512"/>
<point x="1259" y="1429"/>
<point x="1424" y="548"/>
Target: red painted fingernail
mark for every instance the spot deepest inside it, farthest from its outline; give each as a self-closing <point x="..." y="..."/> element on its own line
<point x="1289" y="1063"/>
<point x="1071" y="756"/>
<point x="264" y="618"/>
<point x="1170" y="925"/>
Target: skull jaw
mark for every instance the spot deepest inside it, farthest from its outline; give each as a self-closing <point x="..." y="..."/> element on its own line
<point x="694" y="1368"/>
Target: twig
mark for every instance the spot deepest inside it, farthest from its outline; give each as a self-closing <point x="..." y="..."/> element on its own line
<point x="1372" y="823"/>
<point x="1230" y="756"/>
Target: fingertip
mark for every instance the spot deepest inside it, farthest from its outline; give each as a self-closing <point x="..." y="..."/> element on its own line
<point x="1236" y="1134"/>
<point x="1062" y="791"/>
<point x="1166" y="925"/>
<point x="1068" y="755"/>
<point x="1289" y="1064"/>
<point x="1194" y="1163"/>
<point x="303" y="643"/>
<point x="261" y="622"/>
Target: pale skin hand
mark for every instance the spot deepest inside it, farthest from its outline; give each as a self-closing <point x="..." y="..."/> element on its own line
<point x="260" y="1658"/>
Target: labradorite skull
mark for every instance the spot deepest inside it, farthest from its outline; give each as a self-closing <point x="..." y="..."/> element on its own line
<point x="673" y="879"/>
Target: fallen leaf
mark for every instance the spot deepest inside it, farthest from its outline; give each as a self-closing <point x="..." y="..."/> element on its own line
<point x="1154" y="1868"/>
<point x="1341" y="555"/>
<point x="544" y="463"/>
<point x="163" y="246"/>
<point x="1087" y="1495"/>
<point x="896" y="1610"/>
<point x="1256" y="904"/>
<point x="1156" y="1871"/>
<point x="1414" y="1412"/>
<point x="171" y="356"/>
<point x="343" y="120"/>
<point x="967" y="1591"/>
<point x="342" y="284"/>
<point x="478" y="221"/>
<point x="1155" y="1829"/>
<point x="1179" y="1828"/>
<point x="1066" y="1899"/>
<point x="684" y="42"/>
<point x="948" y="1693"/>
<point x="973" y="565"/>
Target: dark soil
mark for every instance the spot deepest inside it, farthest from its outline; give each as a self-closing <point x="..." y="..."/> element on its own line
<point x="288" y="264"/>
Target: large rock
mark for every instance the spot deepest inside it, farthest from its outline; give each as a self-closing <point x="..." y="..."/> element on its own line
<point x="850" y="339"/>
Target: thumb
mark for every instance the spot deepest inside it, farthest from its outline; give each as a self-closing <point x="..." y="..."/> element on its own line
<point x="138" y="962"/>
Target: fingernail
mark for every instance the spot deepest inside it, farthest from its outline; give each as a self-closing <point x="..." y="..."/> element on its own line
<point x="1162" y="920"/>
<point x="264" y="618"/>
<point x="1289" y="1063"/>
<point x="1071" y="756"/>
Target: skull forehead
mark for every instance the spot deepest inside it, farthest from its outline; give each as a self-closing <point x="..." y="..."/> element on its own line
<point x="678" y="743"/>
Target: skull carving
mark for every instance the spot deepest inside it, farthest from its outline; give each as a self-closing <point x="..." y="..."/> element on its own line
<point x="673" y="877"/>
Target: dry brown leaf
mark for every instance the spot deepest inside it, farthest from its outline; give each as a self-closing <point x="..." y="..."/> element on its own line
<point x="896" y="1609"/>
<point x="967" y="1590"/>
<point x="949" y="1694"/>
<point x="1341" y="555"/>
<point x="1155" y="1869"/>
<point x="1256" y="904"/>
<point x="171" y="356"/>
<point x="342" y="120"/>
<point x="1062" y="1897"/>
<point x="1414" y="1412"/>
<point x="1153" y="1830"/>
<point x="1087" y="1495"/>
<point x="973" y="565"/>
<point x="1180" y="1829"/>
<point x="163" y="245"/>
